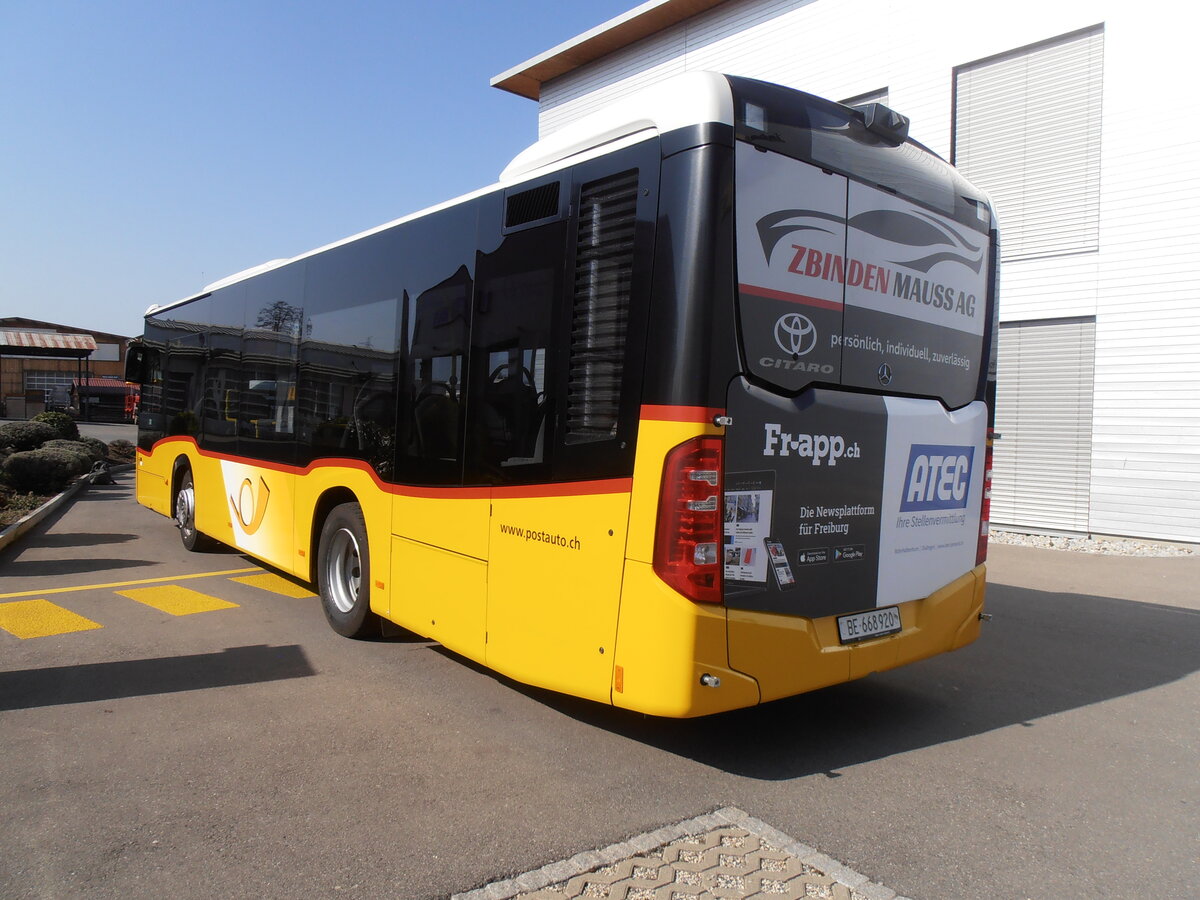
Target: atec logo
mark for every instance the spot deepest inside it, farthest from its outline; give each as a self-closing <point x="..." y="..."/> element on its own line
<point x="938" y="477"/>
<point x="795" y="334"/>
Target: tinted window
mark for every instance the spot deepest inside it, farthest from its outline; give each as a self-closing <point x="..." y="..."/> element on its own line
<point x="225" y="314"/>
<point x="348" y="353"/>
<point x="266" y="419"/>
<point x="834" y="137"/>
<point x="439" y="259"/>
<point x="518" y="295"/>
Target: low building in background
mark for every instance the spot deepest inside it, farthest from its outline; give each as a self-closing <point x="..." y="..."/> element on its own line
<point x="45" y="366"/>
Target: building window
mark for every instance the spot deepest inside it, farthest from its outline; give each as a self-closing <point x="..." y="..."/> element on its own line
<point x="55" y="385"/>
<point x="1027" y="130"/>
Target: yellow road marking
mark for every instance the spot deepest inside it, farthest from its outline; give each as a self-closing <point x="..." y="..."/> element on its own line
<point x="268" y="581"/>
<point x="41" y="618"/>
<point x="176" y="600"/>
<point x="117" y="584"/>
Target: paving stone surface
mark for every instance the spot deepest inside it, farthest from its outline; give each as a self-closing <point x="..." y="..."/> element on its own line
<point x="725" y="855"/>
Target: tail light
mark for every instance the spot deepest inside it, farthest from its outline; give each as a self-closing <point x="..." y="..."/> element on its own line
<point x="985" y="511"/>
<point x="687" y="543"/>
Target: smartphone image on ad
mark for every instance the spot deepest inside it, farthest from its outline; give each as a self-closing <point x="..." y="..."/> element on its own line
<point x="779" y="564"/>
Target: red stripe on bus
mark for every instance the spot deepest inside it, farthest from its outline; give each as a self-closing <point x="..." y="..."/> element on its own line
<point x="756" y="291"/>
<point x="697" y="414"/>
<point x="564" y="489"/>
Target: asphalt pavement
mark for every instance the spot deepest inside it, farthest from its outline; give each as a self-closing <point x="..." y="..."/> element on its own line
<point x="208" y="735"/>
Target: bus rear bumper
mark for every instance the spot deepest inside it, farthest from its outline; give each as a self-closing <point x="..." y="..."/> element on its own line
<point x="789" y="655"/>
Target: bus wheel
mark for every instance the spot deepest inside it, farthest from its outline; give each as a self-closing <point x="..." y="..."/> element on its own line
<point x="344" y="573"/>
<point x="185" y="517"/>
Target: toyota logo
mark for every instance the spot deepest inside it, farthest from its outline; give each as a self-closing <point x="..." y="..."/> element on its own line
<point x="795" y="334"/>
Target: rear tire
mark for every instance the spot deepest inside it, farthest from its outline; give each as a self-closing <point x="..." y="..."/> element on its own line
<point x="344" y="573"/>
<point x="185" y="517"/>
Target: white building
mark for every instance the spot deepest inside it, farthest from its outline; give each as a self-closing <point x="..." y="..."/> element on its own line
<point x="1070" y="115"/>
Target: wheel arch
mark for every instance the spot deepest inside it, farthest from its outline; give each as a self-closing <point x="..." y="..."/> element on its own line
<point x="179" y="468"/>
<point x="331" y="498"/>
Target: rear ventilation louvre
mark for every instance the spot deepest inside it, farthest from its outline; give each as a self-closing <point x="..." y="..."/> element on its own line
<point x="600" y="308"/>
<point x="532" y="205"/>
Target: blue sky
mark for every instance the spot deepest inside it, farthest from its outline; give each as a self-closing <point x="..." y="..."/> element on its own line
<point x="150" y="148"/>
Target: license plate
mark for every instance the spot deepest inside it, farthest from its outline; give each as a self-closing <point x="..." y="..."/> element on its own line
<point x="874" y="623"/>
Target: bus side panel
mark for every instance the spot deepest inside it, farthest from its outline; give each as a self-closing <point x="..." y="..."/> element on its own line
<point x="665" y="645"/>
<point x="441" y="595"/>
<point x="376" y="504"/>
<point x="451" y="518"/>
<point x="151" y="486"/>
<point x="791" y="654"/>
<point x="554" y="586"/>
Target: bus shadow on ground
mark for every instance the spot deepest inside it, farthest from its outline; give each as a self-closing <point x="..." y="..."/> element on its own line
<point x="60" y="685"/>
<point x="1043" y="653"/>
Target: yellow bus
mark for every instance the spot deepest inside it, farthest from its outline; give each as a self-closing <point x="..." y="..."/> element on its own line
<point x="687" y="413"/>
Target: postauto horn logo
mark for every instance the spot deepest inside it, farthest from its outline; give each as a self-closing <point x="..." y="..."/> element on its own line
<point x="938" y="477"/>
<point x="795" y="334"/>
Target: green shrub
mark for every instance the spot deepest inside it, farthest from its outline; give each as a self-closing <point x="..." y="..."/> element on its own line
<point x="43" y="471"/>
<point x="121" y="449"/>
<point x="75" y="448"/>
<point x="60" y="422"/>
<point x="26" y="435"/>
<point x="96" y="447"/>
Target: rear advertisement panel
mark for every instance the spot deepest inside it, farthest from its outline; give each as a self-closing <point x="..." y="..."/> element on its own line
<point x="837" y="501"/>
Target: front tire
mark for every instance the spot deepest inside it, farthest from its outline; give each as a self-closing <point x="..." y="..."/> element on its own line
<point x="185" y="517"/>
<point x="344" y="573"/>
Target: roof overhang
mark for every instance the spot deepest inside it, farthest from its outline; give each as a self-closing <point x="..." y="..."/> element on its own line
<point x="649" y="18"/>
<point x="38" y="343"/>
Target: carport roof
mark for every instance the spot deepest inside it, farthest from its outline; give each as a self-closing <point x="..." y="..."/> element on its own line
<point x="38" y="343"/>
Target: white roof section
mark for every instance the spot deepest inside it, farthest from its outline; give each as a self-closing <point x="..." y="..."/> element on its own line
<point x="693" y="98"/>
<point x="245" y="273"/>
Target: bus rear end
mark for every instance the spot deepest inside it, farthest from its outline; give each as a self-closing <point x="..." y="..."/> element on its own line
<point x="832" y="514"/>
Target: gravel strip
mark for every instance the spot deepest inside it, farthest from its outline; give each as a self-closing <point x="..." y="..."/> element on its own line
<point x="1108" y="546"/>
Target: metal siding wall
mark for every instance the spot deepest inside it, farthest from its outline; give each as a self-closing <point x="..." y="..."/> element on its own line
<point x="1042" y="465"/>
<point x="1142" y="284"/>
<point x="1028" y="129"/>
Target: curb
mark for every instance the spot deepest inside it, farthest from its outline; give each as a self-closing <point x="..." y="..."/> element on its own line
<point x="581" y="863"/>
<point x="15" y="531"/>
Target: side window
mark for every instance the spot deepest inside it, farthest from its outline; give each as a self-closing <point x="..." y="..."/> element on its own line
<point x="438" y="253"/>
<point x="224" y="314"/>
<point x="518" y="294"/>
<point x="437" y="325"/>
<point x="151" y="426"/>
<point x="347" y="334"/>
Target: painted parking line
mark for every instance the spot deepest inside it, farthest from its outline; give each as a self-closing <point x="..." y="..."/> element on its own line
<point x="117" y="584"/>
<point x="276" y="584"/>
<point x="176" y="600"/>
<point x="41" y="618"/>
